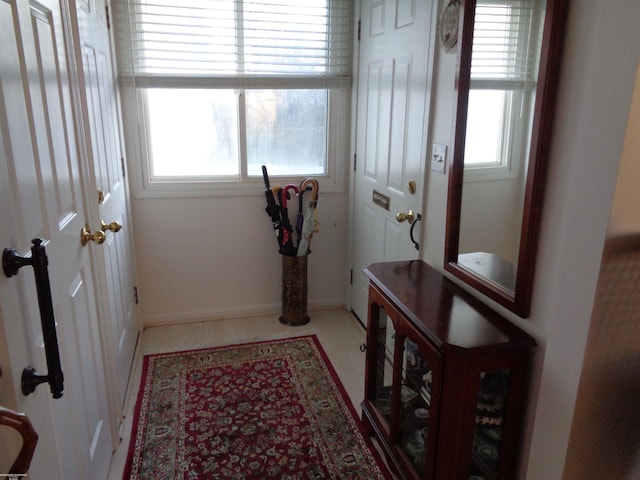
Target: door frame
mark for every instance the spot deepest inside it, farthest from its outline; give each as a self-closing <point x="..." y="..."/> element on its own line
<point x="355" y="93"/>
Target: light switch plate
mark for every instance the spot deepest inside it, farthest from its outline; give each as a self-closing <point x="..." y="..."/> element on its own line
<point x="438" y="158"/>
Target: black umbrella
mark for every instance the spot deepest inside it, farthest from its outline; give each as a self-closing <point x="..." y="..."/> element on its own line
<point x="287" y="246"/>
<point x="272" y="209"/>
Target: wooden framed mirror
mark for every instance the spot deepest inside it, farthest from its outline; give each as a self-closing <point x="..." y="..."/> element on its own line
<point x="508" y="59"/>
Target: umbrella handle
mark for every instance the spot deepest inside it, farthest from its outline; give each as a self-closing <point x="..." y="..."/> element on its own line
<point x="285" y="189"/>
<point x="301" y="198"/>
<point x="315" y="188"/>
<point x="265" y="175"/>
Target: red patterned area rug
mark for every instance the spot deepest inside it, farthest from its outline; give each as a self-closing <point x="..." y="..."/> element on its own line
<point x="266" y="410"/>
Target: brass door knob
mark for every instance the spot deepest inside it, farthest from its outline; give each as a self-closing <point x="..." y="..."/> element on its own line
<point x="95" y="237"/>
<point x="115" y="227"/>
<point x="409" y="216"/>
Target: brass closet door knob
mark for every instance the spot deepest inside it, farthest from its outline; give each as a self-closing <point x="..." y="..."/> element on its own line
<point x="115" y="227"/>
<point x="96" y="237"/>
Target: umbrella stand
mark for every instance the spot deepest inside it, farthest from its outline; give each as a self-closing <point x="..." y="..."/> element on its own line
<point x="294" y="291"/>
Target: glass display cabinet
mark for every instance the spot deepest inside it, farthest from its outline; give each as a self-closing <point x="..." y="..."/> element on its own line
<point x="446" y="377"/>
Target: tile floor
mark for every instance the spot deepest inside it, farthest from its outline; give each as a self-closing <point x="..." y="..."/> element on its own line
<point x="340" y="335"/>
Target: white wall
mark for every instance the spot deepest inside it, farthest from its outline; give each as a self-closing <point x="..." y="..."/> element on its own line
<point x="491" y="216"/>
<point x="206" y="258"/>
<point x="609" y="392"/>
<point x="625" y="214"/>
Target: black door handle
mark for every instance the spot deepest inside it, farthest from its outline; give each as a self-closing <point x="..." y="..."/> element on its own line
<point x="11" y="263"/>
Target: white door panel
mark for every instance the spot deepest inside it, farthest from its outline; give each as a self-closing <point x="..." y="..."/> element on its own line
<point x="82" y="359"/>
<point x="397" y="162"/>
<point x="395" y="67"/>
<point x="113" y="259"/>
<point x="372" y="119"/>
<point x="394" y="239"/>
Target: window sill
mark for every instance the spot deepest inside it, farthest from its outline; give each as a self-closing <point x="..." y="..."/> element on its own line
<point x="479" y="174"/>
<point x="187" y="189"/>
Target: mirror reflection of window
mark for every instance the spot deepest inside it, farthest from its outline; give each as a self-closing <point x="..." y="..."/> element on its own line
<point x="485" y="115"/>
<point x="506" y="45"/>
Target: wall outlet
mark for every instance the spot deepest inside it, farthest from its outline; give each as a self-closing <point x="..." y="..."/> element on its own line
<point x="438" y="158"/>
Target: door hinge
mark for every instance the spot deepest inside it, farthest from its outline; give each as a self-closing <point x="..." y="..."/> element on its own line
<point x="106" y="8"/>
<point x="351" y="277"/>
<point x="355" y="161"/>
<point x="122" y="165"/>
<point x="359" y="28"/>
<point x="135" y="294"/>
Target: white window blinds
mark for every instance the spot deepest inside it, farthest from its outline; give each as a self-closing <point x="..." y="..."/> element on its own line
<point x="251" y="40"/>
<point x="506" y="43"/>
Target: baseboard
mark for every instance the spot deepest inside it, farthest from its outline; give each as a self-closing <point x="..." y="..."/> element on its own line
<point x="234" y="312"/>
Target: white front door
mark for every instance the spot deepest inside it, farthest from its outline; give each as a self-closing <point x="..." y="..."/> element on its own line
<point x="41" y="197"/>
<point x="394" y="84"/>
<point x="108" y="193"/>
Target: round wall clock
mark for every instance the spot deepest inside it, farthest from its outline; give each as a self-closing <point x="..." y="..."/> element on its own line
<point x="449" y="21"/>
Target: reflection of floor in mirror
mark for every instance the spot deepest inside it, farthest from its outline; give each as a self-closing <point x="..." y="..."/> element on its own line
<point x="340" y="334"/>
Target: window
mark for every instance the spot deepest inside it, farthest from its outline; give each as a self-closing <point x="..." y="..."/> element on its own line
<point x="214" y="89"/>
<point x="506" y="46"/>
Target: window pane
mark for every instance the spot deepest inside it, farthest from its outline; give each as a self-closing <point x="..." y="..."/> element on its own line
<point x="193" y="132"/>
<point x="287" y="131"/>
<point x="485" y="116"/>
